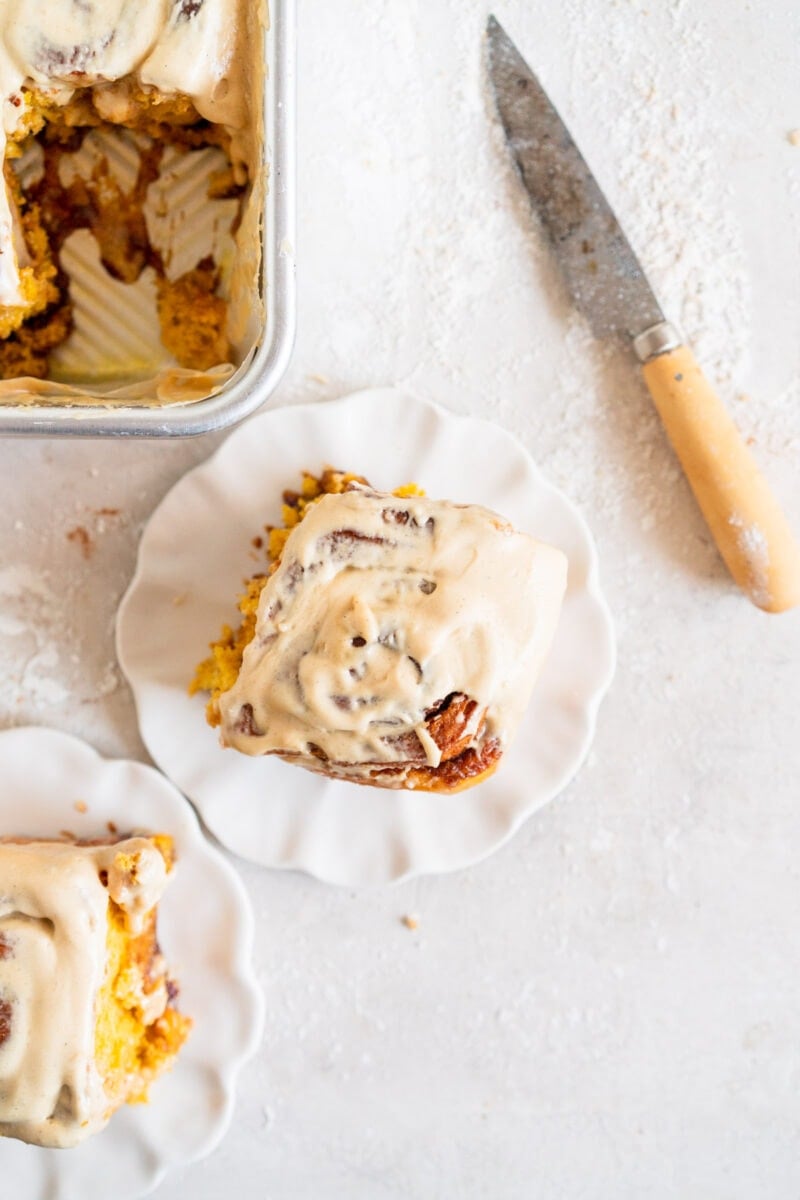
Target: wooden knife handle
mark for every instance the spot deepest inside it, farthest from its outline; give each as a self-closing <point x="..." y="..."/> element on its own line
<point x="751" y="531"/>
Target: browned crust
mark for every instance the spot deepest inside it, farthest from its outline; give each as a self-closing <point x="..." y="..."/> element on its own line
<point x="471" y="767"/>
<point x="455" y="774"/>
<point x="5" y="1020"/>
<point x="451" y="726"/>
<point x="463" y="762"/>
<point x="458" y="774"/>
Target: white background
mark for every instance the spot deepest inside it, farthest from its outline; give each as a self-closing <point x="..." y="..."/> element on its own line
<point x="610" y="1006"/>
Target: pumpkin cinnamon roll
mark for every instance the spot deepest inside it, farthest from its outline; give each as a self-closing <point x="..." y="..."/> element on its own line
<point x="87" y="1009"/>
<point x="395" y="642"/>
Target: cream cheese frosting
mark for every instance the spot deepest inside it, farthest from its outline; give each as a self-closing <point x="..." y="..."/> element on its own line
<point x="193" y="47"/>
<point x="53" y="929"/>
<point x="379" y="610"/>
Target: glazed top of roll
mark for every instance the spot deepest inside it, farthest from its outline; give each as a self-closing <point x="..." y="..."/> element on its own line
<point x="379" y="609"/>
<point x="194" y="47"/>
<point x="53" y="930"/>
<point x="174" y="45"/>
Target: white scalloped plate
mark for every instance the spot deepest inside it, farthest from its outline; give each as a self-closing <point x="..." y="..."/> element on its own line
<point x="205" y="928"/>
<point x="196" y="552"/>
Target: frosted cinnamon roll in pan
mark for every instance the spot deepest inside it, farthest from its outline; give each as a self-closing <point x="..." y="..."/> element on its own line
<point x="131" y="144"/>
<point x="395" y="642"/>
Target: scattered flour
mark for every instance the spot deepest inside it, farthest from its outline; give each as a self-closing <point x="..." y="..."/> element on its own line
<point x="40" y="622"/>
<point x="29" y="651"/>
<point x="449" y="288"/>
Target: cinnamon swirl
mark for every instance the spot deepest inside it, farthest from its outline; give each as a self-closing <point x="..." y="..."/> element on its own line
<point x="395" y="643"/>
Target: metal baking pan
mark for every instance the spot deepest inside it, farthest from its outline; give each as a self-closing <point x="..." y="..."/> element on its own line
<point x="252" y="384"/>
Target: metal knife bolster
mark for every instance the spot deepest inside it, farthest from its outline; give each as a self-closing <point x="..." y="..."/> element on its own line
<point x="656" y="339"/>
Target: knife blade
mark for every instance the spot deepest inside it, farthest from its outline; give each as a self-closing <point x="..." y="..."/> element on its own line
<point x="608" y="285"/>
<point x="601" y="270"/>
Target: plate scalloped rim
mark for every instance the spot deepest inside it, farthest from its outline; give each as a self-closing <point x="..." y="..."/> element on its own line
<point x="278" y="815"/>
<point x="194" y="1102"/>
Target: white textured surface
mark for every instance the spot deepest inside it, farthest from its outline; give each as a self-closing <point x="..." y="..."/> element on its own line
<point x="610" y="1006"/>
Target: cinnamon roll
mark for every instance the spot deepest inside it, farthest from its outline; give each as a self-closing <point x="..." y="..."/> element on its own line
<point x="395" y="643"/>
<point x="155" y="74"/>
<point x="87" y="1009"/>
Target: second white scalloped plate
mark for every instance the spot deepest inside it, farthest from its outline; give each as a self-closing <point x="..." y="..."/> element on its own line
<point x="205" y="927"/>
<point x="196" y="552"/>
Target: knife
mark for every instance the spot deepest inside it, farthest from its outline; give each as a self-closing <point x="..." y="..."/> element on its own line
<point x="609" y="287"/>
